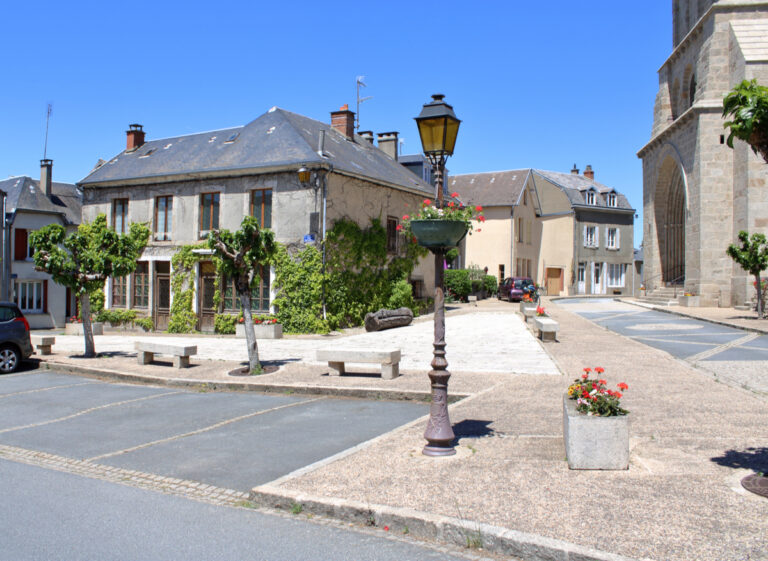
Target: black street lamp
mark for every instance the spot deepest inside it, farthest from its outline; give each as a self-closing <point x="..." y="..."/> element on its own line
<point x="438" y="128"/>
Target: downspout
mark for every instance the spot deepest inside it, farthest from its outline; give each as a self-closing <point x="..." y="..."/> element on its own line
<point x="321" y="153"/>
<point x="5" y="276"/>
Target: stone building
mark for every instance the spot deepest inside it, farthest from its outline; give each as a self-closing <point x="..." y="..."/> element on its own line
<point x="185" y="186"/>
<point x="566" y="231"/>
<point x="30" y="205"/>
<point x="697" y="192"/>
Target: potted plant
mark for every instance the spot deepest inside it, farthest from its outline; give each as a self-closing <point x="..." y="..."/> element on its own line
<point x="264" y="327"/>
<point x="437" y="228"/>
<point x="595" y="426"/>
<point x="74" y="326"/>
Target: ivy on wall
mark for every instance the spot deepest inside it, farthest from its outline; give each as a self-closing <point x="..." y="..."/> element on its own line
<point x="182" y="317"/>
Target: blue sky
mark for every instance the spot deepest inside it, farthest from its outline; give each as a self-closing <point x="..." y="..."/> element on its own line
<point x="538" y="87"/>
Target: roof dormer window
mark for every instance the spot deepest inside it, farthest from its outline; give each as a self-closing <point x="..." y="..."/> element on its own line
<point x="590" y="197"/>
<point x="612" y="200"/>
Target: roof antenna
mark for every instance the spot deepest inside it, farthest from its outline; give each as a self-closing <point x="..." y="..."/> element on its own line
<point x="47" y="120"/>
<point x="359" y="82"/>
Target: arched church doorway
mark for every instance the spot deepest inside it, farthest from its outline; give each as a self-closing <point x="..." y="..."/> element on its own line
<point x="669" y="208"/>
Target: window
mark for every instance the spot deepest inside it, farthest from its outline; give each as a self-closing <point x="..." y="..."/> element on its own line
<point x="582" y="272"/>
<point x="163" y="215"/>
<point x="528" y="235"/>
<point x="209" y="213"/>
<point x="612" y="199"/>
<point x="29" y="296"/>
<point x="141" y="285"/>
<point x="22" y="249"/>
<point x="525" y="198"/>
<point x="520" y="230"/>
<point x="259" y="293"/>
<point x="392" y="228"/>
<point x="118" y="292"/>
<point x="590" y="197"/>
<point x="261" y="207"/>
<point x="612" y="238"/>
<point x="590" y="236"/>
<point x="616" y="275"/>
<point x="120" y="215"/>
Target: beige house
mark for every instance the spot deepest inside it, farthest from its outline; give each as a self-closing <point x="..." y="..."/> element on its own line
<point x="185" y="186"/>
<point x="562" y="230"/>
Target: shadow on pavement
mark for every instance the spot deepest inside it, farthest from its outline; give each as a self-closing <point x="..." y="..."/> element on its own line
<point x="755" y="459"/>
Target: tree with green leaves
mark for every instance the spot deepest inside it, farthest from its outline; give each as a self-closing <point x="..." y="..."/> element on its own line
<point x="85" y="259"/>
<point x="752" y="255"/>
<point x="243" y="254"/>
<point x="747" y="106"/>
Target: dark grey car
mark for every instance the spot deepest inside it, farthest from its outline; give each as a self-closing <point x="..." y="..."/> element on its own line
<point x="15" y="345"/>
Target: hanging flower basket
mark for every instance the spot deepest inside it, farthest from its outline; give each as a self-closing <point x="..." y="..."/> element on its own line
<point x="436" y="234"/>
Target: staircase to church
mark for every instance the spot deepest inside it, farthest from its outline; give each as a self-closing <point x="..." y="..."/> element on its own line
<point x="662" y="296"/>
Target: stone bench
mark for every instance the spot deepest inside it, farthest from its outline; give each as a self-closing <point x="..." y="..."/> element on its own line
<point x="43" y="343"/>
<point x="389" y="360"/>
<point x="181" y="354"/>
<point x="528" y="313"/>
<point x="472" y="300"/>
<point x="547" y="328"/>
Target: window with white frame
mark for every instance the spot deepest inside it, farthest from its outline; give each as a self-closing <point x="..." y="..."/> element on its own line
<point x="612" y="238"/>
<point x="590" y="236"/>
<point x="616" y="274"/>
<point x="29" y="296"/>
<point x="30" y="248"/>
<point x="582" y="272"/>
<point x="590" y="197"/>
<point x="612" y="199"/>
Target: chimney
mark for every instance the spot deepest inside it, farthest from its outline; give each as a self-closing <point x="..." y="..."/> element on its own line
<point x="367" y="135"/>
<point x="46" y="167"/>
<point x="575" y="170"/>
<point x="135" y="136"/>
<point x="343" y="121"/>
<point x="388" y="144"/>
<point x="589" y="173"/>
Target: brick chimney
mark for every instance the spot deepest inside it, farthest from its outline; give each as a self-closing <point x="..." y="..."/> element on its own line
<point x="575" y="170"/>
<point x="46" y="169"/>
<point x="589" y="173"/>
<point x="367" y="135"/>
<point x="343" y="121"/>
<point x="388" y="144"/>
<point x="135" y="137"/>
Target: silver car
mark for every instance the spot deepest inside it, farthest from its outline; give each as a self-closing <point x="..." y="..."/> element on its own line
<point x="15" y="345"/>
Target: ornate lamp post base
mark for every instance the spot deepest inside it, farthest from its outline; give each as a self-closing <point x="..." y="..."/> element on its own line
<point x="439" y="433"/>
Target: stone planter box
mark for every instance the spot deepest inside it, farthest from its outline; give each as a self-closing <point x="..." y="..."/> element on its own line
<point x="77" y="328"/>
<point x="262" y="331"/>
<point x="528" y="313"/>
<point x="688" y="301"/>
<point x="594" y="442"/>
<point x="524" y="305"/>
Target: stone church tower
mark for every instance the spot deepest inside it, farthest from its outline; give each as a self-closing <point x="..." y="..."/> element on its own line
<point x="697" y="192"/>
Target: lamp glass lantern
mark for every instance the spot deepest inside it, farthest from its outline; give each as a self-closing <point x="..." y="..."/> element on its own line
<point x="304" y="175"/>
<point x="438" y="128"/>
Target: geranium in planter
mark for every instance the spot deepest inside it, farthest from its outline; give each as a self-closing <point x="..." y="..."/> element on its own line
<point x="595" y="426"/>
<point x="439" y="228"/>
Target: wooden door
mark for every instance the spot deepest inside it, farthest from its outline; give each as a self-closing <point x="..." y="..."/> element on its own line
<point x="554" y="281"/>
<point x="206" y="308"/>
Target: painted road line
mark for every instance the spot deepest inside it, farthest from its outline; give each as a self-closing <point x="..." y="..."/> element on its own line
<point x="711" y="352"/>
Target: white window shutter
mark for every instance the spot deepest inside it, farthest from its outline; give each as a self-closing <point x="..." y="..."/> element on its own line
<point x="597" y="236"/>
<point x="618" y="239"/>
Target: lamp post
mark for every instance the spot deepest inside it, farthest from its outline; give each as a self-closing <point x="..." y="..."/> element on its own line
<point x="438" y="128"/>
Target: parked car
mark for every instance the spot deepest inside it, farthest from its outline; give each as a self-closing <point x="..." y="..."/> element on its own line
<point x="15" y="344"/>
<point x="513" y="288"/>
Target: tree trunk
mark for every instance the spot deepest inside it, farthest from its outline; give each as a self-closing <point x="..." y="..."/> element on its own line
<point x="85" y="312"/>
<point x="254" y="366"/>
<point x="760" y="303"/>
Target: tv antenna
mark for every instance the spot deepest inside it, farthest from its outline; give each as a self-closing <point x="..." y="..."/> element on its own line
<point x="47" y="120"/>
<point x="359" y="82"/>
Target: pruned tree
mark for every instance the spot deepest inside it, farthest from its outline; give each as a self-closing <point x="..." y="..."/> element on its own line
<point x="243" y="253"/>
<point x="85" y="259"/>
<point x="752" y="255"/>
<point x="747" y="107"/>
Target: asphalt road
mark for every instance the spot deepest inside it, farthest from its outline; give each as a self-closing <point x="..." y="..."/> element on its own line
<point x="89" y="470"/>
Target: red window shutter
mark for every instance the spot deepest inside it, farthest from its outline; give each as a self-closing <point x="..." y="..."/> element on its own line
<point x="20" y="253"/>
<point x="45" y="296"/>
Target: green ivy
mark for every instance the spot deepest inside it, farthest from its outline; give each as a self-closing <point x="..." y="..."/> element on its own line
<point x="298" y="295"/>
<point x="182" y="318"/>
<point x="145" y="323"/>
<point x="225" y="323"/>
<point x="116" y="316"/>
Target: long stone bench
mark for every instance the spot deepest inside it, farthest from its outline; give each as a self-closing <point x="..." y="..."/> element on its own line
<point x="180" y="353"/>
<point x="389" y="360"/>
<point x="547" y="328"/>
<point x="43" y="343"/>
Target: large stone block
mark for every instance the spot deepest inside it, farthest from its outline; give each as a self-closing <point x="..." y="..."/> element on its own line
<point x="595" y="442"/>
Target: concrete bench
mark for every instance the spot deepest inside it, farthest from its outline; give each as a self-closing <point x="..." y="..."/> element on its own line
<point x="181" y="354"/>
<point x="472" y="300"/>
<point x="547" y="328"/>
<point x="43" y="343"/>
<point x="389" y="360"/>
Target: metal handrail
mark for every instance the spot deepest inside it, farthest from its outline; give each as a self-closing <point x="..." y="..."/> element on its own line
<point x="647" y="283"/>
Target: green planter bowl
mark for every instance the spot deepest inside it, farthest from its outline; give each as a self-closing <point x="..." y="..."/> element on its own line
<point x="436" y="234"/>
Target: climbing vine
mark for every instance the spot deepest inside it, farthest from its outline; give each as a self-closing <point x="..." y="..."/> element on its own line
<point x="182" y="317"/>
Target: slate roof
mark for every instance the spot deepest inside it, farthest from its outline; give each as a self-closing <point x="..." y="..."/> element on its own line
<point x="24" y="193"/>
<point x="503" y="188"/>
<point x="494" y="188"/>
<point x="276" y="139"/>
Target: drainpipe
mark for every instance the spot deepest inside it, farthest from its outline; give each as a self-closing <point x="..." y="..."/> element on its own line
<point x="325" y="211"/>
<point x="5" y="276"/>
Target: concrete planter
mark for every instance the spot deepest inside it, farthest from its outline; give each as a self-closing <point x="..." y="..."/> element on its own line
<point x="528" y="313"/>
<point x="262" y="330"/>
<point x="595" y="442"/>
<point x="524" y="305"/>
<point x="688" y="301"/>
<point x="77" y="328"/>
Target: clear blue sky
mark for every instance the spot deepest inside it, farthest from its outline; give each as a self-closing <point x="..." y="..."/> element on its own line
<point x="536" y="84"/>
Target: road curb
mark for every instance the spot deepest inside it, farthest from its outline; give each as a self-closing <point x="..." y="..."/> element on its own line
<point x="218" y="385"/>
<point x="445" y="529"/>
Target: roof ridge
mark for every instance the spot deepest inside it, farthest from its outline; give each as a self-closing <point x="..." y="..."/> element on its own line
<point x="487" y="172"/>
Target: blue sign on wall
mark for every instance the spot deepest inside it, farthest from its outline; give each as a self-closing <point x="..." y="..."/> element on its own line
<point x="309" y="238"/>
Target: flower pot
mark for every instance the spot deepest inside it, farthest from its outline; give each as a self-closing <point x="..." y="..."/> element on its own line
<point x="97" y="328"/>
<point x="438" y="234"/>
<point x="594" y="442"/>
<point x="261" y="330"/>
